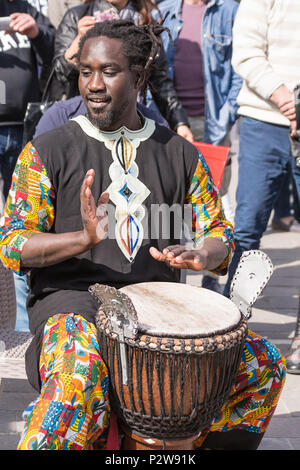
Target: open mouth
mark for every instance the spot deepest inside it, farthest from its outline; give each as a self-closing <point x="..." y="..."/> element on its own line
<point x="97" y="102"/>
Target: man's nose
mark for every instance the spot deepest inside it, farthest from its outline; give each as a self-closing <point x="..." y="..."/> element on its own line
<point x="96" y="82"/>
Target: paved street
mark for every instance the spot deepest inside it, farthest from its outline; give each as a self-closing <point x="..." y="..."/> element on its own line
<point x="273" y="317"/>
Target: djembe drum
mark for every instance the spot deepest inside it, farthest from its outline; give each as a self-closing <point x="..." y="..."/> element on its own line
<point x="172" y="351"/>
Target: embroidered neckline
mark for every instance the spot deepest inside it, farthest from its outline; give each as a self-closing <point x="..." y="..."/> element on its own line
<point x="109" y="137"/>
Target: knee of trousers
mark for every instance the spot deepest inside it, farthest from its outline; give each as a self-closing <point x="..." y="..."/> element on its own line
<point x="271" y="363"/>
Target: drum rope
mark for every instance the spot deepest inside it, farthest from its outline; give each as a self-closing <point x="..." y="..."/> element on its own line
<point x="172" y="393"/>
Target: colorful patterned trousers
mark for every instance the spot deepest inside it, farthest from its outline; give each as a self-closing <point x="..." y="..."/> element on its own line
<point x="72" y="411"/>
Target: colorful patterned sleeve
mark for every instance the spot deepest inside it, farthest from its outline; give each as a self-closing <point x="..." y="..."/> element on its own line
<point x="29" y="207"/>
<point x="208" y="219"/>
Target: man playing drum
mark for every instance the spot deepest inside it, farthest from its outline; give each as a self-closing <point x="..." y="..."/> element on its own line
<point x="57" y="232"/>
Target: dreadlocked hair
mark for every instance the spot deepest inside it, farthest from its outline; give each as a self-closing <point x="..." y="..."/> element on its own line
<point x="141" y="45"/>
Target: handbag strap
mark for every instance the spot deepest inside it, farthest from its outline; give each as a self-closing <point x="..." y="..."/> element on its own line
<point x="44" y="99"/>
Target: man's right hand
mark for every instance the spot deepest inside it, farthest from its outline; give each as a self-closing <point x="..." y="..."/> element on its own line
<point x="24" y="24"/>
<point x="94" y="217"/>
<point x="285" y="100"/>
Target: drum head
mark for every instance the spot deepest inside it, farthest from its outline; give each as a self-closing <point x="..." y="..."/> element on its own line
<point x="181" y="310"/>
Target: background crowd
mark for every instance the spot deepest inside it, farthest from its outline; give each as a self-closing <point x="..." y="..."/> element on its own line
<point x="222" y="60"/>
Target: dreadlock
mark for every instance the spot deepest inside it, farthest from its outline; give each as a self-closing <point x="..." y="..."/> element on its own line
<point x="141" y="45"/>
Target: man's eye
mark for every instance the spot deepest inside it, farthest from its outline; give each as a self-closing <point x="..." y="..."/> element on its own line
<point x="85" y="73"/>
<point x="110" y="73"/>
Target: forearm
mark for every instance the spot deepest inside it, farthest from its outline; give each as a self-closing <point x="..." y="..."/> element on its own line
<point x="43" y="43"/>
<point x="65" y="36"/>
<point x="72" y="50"/>
<point x="48" y="249"/>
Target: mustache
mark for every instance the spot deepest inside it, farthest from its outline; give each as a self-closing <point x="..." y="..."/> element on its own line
<point x="97" y="96"/>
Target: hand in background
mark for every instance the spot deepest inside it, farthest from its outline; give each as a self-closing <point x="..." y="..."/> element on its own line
<point x="285" y="100"/>
<point x="185" y="131"/>
<point x="24" y="24"/>
<point x="84" y="24"/>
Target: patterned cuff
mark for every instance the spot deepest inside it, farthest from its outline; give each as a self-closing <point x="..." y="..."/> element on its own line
<point x="10" y="252"/>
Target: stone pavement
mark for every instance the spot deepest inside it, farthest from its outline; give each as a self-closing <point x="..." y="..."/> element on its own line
<point x="273" y="317"/>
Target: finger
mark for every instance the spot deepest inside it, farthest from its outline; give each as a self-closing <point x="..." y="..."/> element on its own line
<point x="15" y="15"/>
<point x="171" y="248"/>
<point x="194" y="264"/>
<point x="156" y="254"/>
<point x="87" y="18"/>
<point x="16" y="25"/>
<point x="289" y="111"/>
<point x="21" y="19"/>
<point x="86" y="21"/>
<point x="287" y="106"/>
<point x="27" y="25"/>
<point x="102" y="205"/>
<point x="89" y="177"/>
<point x="84" y="181"/>
<point x="175" y="251"/>
<point x="23" y="27"/>
<point x="86" y="184"/>
<point x="104" y="198"/>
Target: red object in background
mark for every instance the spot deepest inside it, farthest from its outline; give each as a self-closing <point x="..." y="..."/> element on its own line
<point x="216" y="157"/>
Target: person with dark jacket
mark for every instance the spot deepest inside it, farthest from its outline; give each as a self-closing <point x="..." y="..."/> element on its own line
<point x="29" y="42"/>
<point x="78" y="20"/>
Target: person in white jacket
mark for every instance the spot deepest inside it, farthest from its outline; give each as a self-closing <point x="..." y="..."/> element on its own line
<point x="266" y="51"/>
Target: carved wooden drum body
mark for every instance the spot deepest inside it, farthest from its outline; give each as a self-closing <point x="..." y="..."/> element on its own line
<point x="173" y="369"/>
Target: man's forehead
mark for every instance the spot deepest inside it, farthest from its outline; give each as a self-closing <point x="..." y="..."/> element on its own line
<point x="102" y="48"/>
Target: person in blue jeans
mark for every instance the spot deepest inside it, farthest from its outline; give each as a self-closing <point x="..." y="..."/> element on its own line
<point x="199" y="63"/>
<point x="267" y="105"/>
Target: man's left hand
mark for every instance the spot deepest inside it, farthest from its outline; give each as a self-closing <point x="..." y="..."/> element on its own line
<point x="24" y="24"/>
<point x="178" y="256"/>
<point x="185" y="131"/>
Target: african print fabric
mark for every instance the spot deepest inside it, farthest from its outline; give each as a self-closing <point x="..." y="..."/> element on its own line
<point x="207" y="210"/>
<point x="255" y="394"/>
<point x="72" y="411"/>
<point x="29" y="207"/>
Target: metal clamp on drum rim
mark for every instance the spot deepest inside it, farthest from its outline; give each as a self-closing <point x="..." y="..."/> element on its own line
<point x="252" y="275"/>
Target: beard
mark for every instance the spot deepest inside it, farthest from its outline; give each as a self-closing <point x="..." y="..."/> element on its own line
<point x="103" y="121"/>
<point x="108" y="120"/>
